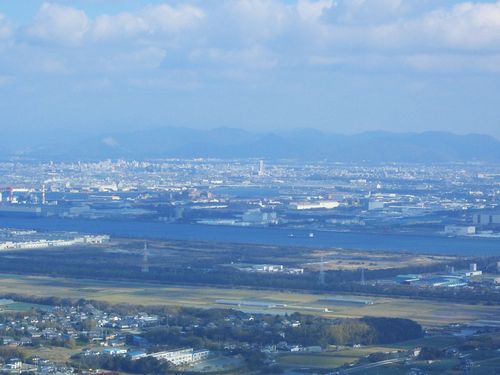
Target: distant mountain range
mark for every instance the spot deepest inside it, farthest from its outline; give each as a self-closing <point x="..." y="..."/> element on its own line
<point x="305" y="144"/>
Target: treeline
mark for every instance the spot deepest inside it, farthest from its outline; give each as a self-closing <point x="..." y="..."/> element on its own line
<point x="7" y="353"/>
<point x="147" y="365"/>
<point x="365" y="331"/>
<point x="311" y="331"/>
<point x="392" y="330"/>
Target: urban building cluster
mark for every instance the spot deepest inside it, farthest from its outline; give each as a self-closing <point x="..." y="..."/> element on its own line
<point x="14" y="239"/>
<point x="469" y="278"/>
<point x="450" y="200"/>
<point x="270" y="268"/>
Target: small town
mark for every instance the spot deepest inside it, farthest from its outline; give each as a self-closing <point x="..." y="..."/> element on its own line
<point x="123" y="338"/>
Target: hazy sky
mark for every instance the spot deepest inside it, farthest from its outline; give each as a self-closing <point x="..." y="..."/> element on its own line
<point x="340" y="65"/>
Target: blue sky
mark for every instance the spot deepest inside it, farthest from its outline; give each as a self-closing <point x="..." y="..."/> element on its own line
<point x="344" y="66"/>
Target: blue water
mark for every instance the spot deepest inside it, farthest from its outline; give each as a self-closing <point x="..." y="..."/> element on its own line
<point x="271" y="236"/>
<point x="247" y="192"/>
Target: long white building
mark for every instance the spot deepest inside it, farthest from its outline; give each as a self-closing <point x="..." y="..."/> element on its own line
<point x="178" y="357"/>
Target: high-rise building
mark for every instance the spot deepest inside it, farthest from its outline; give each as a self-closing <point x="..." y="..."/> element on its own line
<point x="44" y="201"/>
<point x="261" y="168"/>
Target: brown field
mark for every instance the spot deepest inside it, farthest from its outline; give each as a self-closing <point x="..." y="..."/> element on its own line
<point x="353" y="260"/>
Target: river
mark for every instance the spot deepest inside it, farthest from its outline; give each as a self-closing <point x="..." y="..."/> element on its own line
<point x="272" y="236"/>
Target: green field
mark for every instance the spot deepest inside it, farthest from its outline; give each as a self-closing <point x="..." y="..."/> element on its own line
<point x="485" y="362"/>
<point x="329" y="359"/>
<point x="23" y="306"/>
<point x="439" y="342"/>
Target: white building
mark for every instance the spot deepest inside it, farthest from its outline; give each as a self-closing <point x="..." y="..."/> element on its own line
<point x="262" y="168"/>
<point x="485" y="219"/>
<point x="375" y="205"/>
<point x="315" y="205"/>
<point x="268" y="268"/>
<point x="179" y="357"/>
<point x="457" y="230"/>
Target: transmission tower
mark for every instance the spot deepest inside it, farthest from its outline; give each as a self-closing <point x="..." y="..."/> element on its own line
<point x="145" y="259"/>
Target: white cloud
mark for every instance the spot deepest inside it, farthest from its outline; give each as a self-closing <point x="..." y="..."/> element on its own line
<point x="466" y="25"/>
<point x="71" y="26"/>
<point x="146" y="58"/>
<point x="99" y="84"/>
<point x="365" y="12"/>
<point x="5" y="27"/>
<point x="5" y="80"/>
<point x="254" y="57"/>
<point x="259" y="19"/>
<point x="177" y="80"/>
<point x="149" y="20"/>
<point x="452" y="64"/>
<point x="54" y="66"/>
<point x="311" y="11"/>
<point x="59" y="23"/>
<point x="110" y="141"/>
<point x="463" y="27"/>
<point x="265" y="34"/>
<point x="122" y="25"/>
<point x="164" y="18"/>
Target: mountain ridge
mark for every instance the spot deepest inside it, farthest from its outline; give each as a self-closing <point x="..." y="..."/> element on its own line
<point x="304" y="143"/>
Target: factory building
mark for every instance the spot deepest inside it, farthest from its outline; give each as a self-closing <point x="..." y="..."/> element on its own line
<point x="473" y="271"/>
<point x="317" y="205"/>
<point x="458" y="230"/>
<point x="41" y="243"/>
<point x="256" y="216"/>
<point x="486" y="219"/>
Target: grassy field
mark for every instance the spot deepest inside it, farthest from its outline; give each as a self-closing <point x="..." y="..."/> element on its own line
<point x="22" y="307"/>
<point x="56" y="354"/>
<point x="329" y="359"/>
<point x="428" y="313"/>
<point x="438" y="342"/>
